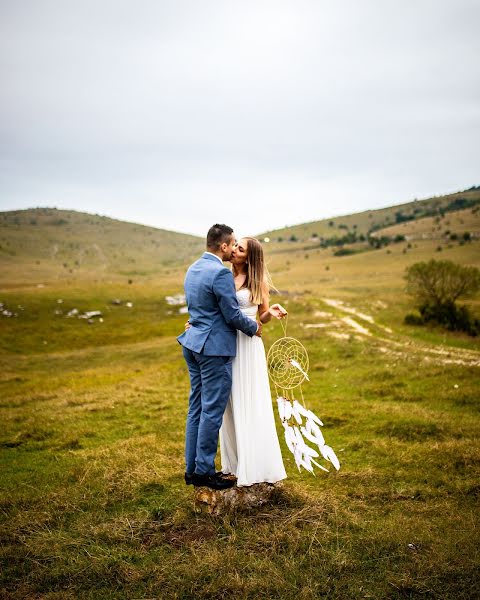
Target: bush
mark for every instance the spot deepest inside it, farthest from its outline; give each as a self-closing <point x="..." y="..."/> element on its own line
<point x="436" y="285"/>
<point x="441" y="282"/>
<point x="453" y="317"/>
<point x="413" y="319"/>
<point x="344" y="252"/>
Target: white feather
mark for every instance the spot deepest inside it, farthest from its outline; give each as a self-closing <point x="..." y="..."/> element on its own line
<point x="310" y="437"/>
<point x="288" y="439"/>
<point x="288" y="410"/>
<point x="313" y="416"/>
<point x="317" y="432"/>
<point x="295" y="364"/>
<point x="324" y="452"/>
<point x="331" y="456"/>
<point x="299" y="437"/>
<point x="319" y="465"/>
<point x="300" y="409"/>
<point x="295" y="413"/>
<point x="307" y="464"/>
<point x="309" y="451"/>
<point x="298" y="457"/>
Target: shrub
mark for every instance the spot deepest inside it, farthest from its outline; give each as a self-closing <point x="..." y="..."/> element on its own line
<point x="436" y="286"/>
<point x="413" y="319"/>
<point x="441" y="281"/>
<point x="453" y="317"/>
<point x="343" y="252"/>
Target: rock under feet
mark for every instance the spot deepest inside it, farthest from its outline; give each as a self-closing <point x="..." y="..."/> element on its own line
<point x="216" y="502"/>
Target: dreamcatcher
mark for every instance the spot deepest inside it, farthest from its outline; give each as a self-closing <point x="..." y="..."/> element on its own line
<point x="287" y="362"/>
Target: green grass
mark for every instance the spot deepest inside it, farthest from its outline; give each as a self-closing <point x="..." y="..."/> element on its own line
<point x="93" y="503"/>
<point x="93" y="500"/>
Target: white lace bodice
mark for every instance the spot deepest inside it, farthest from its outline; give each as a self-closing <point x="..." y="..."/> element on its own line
<point x="246" y="306"/>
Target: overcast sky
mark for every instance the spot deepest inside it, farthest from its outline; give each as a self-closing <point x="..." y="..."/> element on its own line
<point x="179" y="114"/>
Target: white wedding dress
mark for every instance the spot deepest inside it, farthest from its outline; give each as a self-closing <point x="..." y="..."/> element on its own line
<point x="249" y="444"/>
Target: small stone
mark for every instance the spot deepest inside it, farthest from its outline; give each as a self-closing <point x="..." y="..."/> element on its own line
<point x="175" y="300"/>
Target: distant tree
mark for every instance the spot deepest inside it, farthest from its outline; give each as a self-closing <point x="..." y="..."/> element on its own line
<point x="441" y="281"/>
<point x="293" y="238"/>
<point x="344" y="252"/>
<point x="436" y="286"/>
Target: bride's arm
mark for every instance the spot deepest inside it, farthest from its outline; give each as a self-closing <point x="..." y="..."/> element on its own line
<point x="266" y="312"/>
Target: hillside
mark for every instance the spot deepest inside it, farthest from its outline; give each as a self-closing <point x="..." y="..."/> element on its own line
<point x="361" y="225"/>
<point x="448" y="227"/>
<point x="58" y="244"/>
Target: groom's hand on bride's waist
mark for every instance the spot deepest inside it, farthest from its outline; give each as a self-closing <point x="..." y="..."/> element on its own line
<point x="259" y="329"/>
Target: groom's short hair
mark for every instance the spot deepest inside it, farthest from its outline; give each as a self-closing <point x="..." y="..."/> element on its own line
<point x="217" y="234"/>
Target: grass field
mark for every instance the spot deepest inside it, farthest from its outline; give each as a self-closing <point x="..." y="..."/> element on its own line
<point x="93" y="499"/>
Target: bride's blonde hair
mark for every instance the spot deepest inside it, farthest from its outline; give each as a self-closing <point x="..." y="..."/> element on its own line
<point x="258" y="278"/>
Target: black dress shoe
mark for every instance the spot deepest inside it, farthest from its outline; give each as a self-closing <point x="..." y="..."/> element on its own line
<point x="215" y="482"/>
<point x="189" y="480"/>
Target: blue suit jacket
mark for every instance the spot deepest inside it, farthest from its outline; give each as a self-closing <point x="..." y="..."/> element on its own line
<point x="213" y="308"/>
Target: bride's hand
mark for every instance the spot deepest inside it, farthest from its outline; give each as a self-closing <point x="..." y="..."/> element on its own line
<point x="187" y="325"/>
<point x="277" y="311"/>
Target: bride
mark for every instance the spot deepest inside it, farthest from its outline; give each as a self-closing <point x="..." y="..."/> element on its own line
<point x="249" y="444"/>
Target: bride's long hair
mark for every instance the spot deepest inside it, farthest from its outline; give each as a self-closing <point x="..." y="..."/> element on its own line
<point x="258" y="276"/>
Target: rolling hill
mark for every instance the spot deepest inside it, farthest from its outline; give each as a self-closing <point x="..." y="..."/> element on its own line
<point x="372" y="221"/>
<point x="61" y="244"/>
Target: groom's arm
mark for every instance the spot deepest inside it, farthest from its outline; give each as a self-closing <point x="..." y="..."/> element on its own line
<point x="224" y="289"/>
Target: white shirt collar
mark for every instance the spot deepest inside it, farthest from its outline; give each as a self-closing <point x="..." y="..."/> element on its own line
<point x="212" y="254"/>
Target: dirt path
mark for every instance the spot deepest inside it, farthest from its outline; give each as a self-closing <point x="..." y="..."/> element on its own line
<point x="342" y="326"/>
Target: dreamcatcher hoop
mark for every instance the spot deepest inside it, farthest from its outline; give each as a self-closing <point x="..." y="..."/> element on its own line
<point x="287" y="362"/>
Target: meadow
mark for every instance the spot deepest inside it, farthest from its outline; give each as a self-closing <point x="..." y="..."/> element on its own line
<point x="93" y="502"/>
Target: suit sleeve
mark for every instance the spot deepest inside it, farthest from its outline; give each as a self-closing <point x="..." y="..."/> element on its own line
<point x="224" y="290"/>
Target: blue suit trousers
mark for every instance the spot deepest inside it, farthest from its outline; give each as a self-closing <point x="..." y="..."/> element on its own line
<point x="210" y="387"/>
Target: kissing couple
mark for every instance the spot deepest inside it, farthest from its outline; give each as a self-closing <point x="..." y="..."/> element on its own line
<point x="222" y="346"/>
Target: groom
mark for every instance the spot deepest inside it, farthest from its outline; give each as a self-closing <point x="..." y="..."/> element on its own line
<point x="209" y="346"/>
